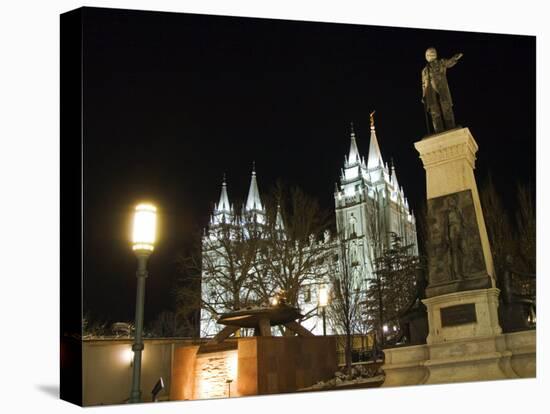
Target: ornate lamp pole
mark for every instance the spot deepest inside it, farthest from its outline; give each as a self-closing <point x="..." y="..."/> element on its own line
<point x="144" y="232"/>
<point x="323" y="302"/>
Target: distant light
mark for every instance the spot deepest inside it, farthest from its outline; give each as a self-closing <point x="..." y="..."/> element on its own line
<point x="394" y="328"/>
<point x="323" y="296"/>
<point x="127" y="356"/>
<point x="274" y="301"/>
<point x="385" y="328"/>
<point x="145" y="223"/>
<point x="532" y="318"/>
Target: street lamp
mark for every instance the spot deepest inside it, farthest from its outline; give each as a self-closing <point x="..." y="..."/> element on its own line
<point x="323" y="302"/>
<point x="228" y="382"/>
<point x="143" y="243"/>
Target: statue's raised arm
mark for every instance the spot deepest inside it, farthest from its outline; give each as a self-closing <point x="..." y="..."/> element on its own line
<point x="452" y="61"/>
<point x="436" y="95"/>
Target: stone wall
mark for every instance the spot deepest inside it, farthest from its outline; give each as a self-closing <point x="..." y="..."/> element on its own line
<point x="213" y="370"/>
<point x="257" y="365"/>
<point x="182" y="384"/>
<point x="286" y="364"/>
<point x="267" y="365"/>
<point x="107" y="369"/>
<point x="503" y="356"/>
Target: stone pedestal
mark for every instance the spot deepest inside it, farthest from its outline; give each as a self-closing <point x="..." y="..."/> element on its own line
<point x="470" y="359"/>
<point x="465" y="341"/>
<point x="480" y="358"/>
<point x="463" y="315"/>
<point x="458" y="247"/>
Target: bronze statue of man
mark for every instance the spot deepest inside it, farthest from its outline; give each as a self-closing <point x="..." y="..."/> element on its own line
<point x="435" y="90"/>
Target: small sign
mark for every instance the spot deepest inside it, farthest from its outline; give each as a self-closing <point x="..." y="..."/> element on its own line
<point x="458" y="315"/>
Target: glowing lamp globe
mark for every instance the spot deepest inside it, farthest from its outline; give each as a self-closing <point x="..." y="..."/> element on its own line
<point x="144" y="230"/>
<point x="323" y="296"/>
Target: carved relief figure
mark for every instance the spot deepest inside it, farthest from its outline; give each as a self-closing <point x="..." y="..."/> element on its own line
<point x="454" y="226"/>
<point x="439" y="258"/>
<point x="454" y="250"/>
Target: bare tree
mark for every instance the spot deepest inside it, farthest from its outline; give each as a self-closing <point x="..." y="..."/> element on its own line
<point x="291" y="256"/>
<point x="167" y="325"/>
<point x="498" y="225"/>
<point x="510" y="238"/>
<point x="246" y="262"/>
<point x="346" y="310"/>
<point x="526" y="220"/>
<point x="224" y="268"/>
<point x="187" y="291"/>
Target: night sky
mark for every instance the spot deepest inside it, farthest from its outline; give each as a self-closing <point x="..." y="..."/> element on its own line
<point x="172" y="101"/>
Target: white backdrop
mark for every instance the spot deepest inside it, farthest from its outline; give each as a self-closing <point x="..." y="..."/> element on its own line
<point x="29" y="207"/>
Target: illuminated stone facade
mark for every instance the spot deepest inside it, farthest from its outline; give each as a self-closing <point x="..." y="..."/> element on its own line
<point x="369" y="205"/>
<point x="216" y="375"/>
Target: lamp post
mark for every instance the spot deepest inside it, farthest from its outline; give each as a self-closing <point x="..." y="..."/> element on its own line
<point x="323" y="302"/>
<point x="143" y="240"/>
<point x="228" y="382"/>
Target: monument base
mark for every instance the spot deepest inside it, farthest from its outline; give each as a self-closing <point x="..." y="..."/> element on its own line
<point x="463" y="315"/>
<point x="478" y="359"/>
<point x="465" y="340"/>
<point x="504" y="356"/>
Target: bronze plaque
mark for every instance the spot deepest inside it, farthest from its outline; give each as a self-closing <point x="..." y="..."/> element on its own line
<point x="458" y="314"/>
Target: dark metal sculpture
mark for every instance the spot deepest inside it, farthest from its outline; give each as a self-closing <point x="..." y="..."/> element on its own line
<point x="436" y="95"/>
<point x="159" y="386"/>
<point x="261" y="320"/>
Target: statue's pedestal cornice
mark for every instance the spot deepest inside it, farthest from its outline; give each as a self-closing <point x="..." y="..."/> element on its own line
<point x="449" y="160"/>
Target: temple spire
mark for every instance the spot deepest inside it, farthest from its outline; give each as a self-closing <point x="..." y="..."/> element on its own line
<point x="223" y="204"/>
<point x="394" y="175"/>
<point x="223" y="211"/>
<point x="279" y="225"/>
<point x="353" y="156"/>
<point x="375" y="156"/>
<point x="253" y="201"/>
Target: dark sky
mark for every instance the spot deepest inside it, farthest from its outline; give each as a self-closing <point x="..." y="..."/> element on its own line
<point x="172" y="101"/>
